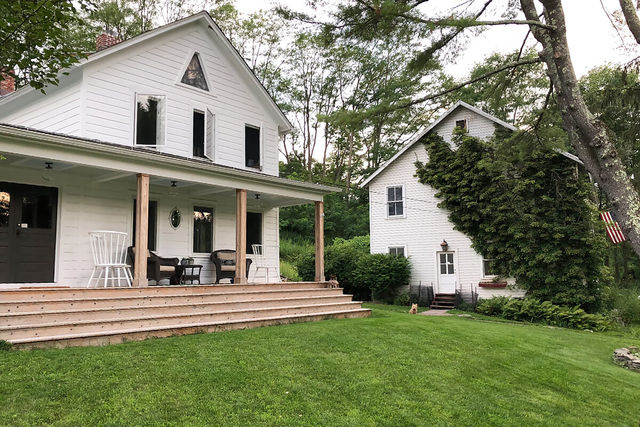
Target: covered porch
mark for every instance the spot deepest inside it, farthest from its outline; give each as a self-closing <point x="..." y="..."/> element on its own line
<point x="99" y="186"/>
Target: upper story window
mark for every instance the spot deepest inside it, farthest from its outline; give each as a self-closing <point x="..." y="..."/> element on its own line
<point x="150" y="119"/>
<point x="198" y="133"/>
<point x="395" y="201"/>
<point x="194" y="74"/>
<point x="252" y="146"/>
<point x="461" y="124"/>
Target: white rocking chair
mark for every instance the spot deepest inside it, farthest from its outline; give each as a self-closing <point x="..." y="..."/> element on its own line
<point x="109" y="250"/>
<point x="260" y="261"/>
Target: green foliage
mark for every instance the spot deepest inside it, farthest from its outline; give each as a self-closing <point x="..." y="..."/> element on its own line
<point x="289" y="271"/>
<point x="382" y="274"/>
<point x="534" y="310"/>
<point x="5" y="345"/>
<point x="343" y="217"/>
<point x="360" y="273"/>
<point x="292" y="247"/>
<point x="35" y="41"/>
<point x="402" y="299"/>
<point x="529" y="212"/>
<point x="624" y="305"/>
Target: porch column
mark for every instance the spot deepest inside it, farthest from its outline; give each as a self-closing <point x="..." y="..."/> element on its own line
<point x="319" y="241"/>
<point x="142" y="231"/>
<point x="241" y="237"/>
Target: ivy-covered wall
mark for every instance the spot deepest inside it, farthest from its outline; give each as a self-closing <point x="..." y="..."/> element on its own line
<point x="531" y="213"/>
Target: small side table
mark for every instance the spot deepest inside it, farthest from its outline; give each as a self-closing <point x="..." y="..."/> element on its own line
<point x="190" y="273"/>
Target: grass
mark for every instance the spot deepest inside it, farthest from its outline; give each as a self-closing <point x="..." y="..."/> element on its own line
<point x="392" y="369"/>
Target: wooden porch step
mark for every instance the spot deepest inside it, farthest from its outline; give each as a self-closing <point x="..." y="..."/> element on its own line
<point x="11" y="333"/>
<point x="117" y="336"/>
<point x="124" y="300"/>
<point x="105" y="313"/>
<point x="8" y="295"/>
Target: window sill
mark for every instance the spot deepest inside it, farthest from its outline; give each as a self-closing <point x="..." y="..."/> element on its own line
<point x="396" y="216"/>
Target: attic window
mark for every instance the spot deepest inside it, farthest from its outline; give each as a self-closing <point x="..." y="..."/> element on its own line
<point x="461" y="124"/>
<point x="194" y="75"/>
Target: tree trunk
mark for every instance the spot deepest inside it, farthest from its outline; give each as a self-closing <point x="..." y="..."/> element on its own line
<point x="588" y="135"/>
<point x="630" y="15"/>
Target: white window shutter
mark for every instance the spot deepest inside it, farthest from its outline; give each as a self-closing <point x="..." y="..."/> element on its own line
<point x="211" y="134"/>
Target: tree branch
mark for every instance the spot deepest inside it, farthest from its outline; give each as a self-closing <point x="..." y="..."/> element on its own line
<point x="470" y="22"/>
<point x="505" y="67"/>
<point x="630" y="15"/>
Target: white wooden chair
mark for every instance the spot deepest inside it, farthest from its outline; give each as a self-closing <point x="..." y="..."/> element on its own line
<point x="109" y="250"/>
<point x="261" y="263"/>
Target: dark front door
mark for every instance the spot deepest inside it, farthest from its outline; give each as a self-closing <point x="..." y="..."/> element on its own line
<point x="27" y="233"/>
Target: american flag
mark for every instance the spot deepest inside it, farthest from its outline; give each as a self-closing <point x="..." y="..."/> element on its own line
<point x="613" y="229"/>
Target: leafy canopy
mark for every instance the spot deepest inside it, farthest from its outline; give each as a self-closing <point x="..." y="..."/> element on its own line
<point x="529" y="213"/>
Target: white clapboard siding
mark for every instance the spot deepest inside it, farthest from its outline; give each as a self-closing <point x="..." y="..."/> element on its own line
<point x="58" y="111"/>
<point x="425" y="225"/>
<point x="154" y="67"/>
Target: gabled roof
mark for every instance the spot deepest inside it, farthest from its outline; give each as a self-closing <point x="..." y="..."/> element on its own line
<point x="200" y="16"/>
<point x="429" y="128"/>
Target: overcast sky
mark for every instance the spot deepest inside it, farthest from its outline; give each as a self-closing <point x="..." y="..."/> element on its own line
<point x="592" y="38"/>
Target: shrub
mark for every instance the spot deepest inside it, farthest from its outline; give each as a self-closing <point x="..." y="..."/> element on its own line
<point x="534" y="310"/>
<point x="402" y="299"/>
<point x="5" y="345"/>
<point x="289" y="271"/>
<point x="340" y="260"/>
<point x="626" y="305"/>
<point x="382" y="274"/>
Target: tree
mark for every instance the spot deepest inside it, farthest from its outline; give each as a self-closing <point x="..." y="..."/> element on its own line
<point x="35" y="39"/>
<point x="530" y="214"/>
<point x="591" y="139"/>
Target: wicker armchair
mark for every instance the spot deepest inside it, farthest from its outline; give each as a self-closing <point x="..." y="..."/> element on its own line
<point x="158" y="268"/>
<point x="225" y="262"/>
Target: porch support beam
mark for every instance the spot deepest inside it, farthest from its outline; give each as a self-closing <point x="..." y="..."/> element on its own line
<point x="319" y="241"/>
<point x="241" y="237"/>
<point x="142" y="231"/>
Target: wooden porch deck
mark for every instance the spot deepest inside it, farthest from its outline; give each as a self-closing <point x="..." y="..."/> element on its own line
<point x="62" y="317"/>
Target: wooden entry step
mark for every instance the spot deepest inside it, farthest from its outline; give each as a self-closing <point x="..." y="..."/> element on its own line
<point x="443" y="301"/>
<point x="61" y="317"/>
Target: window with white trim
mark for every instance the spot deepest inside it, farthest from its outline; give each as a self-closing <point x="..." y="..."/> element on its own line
<point x="397" y="250"/>
<point x="395" y="201"/>
<point x="461" y="124"/>
<point x="150" y="119"/>
<point x="252" y="146"/>
<point x="488" y="268"/>
<point x="194" y="74"/>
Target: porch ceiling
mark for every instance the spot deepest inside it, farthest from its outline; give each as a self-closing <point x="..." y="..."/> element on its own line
<point x="99" y="162"/>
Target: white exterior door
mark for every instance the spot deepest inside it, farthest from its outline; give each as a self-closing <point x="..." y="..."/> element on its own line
<point x="446" y="273"/>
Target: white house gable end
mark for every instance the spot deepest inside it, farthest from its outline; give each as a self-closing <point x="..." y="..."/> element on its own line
<point x="476" y="124"/>
<point x="160" y="67"/>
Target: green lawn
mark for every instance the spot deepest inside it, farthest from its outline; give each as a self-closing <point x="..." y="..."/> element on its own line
<point x="392" y="369"/>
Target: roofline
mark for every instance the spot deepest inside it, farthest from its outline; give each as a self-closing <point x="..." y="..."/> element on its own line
<point x="142" y="154"/>
<point x="417" y="138"/>
<point x="157" y="31"/>
<point x="459" y="103"/>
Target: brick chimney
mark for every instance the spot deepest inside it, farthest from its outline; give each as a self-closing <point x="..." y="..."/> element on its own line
<point x="8" y="82"/>
<point x="105" y="40"/>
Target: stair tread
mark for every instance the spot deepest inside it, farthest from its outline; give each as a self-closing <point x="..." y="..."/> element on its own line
<point x="178" y="326"/>
<point x="75" y="299"/>
<point x="170" y="305"/>
<point x="166" y="316"/>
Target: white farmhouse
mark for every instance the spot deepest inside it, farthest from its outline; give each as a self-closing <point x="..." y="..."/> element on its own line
<point x="405" y="218"/>
<point x="174" y="116"/>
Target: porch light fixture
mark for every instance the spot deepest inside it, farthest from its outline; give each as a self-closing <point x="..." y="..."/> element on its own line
<point x="257" y="196"/>
<point x="173" y="184"/>
<point x="49" y="165"/>
<point x="444" y="245"/>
